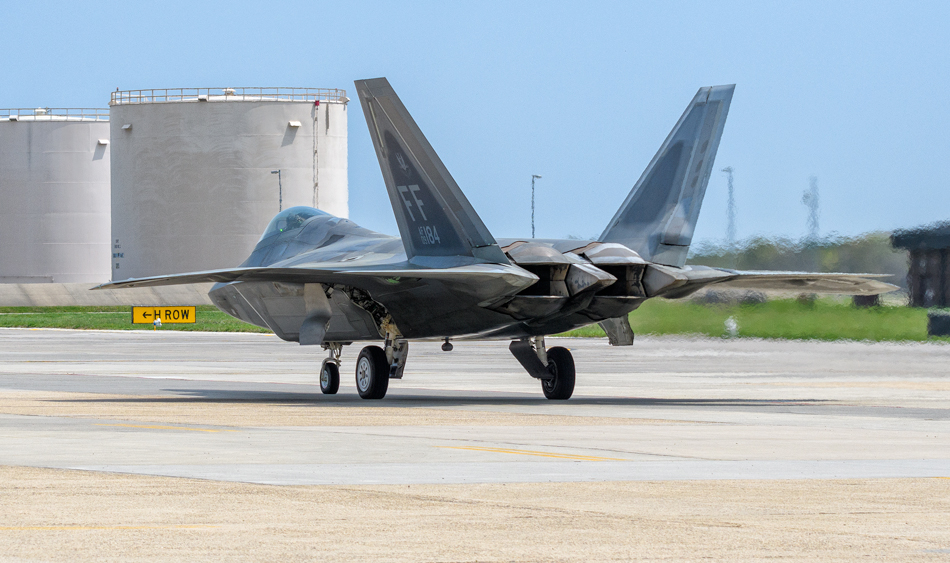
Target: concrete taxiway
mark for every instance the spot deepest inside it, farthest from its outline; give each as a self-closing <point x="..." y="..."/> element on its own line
<point x="84" y="408"/>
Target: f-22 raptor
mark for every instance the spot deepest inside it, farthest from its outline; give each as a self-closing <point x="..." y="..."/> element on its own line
<point x="322" y="280"/>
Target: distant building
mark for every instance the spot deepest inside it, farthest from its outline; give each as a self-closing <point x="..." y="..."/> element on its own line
<point x="928" y="277"/>
<point x="54" y="195"/>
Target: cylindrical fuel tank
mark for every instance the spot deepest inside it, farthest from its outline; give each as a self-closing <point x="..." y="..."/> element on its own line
<point x="54" y="195"/>
<point x="198" y="173"/>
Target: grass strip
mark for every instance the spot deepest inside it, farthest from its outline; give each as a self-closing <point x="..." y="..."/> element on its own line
<point x="823" y="319"/>
<point x="208" y="319"/>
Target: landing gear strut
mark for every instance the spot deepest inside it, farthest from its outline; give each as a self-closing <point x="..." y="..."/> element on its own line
<point x="554" y="367"/>
<point x="330" y="369"/>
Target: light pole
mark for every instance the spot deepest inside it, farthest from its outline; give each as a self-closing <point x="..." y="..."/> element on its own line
<point x="533" y="178"/>
<point x="280" y="191"/>
<point x="731" y="210"/>
<point x="731" y="225"/>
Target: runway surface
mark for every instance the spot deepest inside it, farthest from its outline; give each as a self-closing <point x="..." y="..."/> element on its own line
<point x="662" y="409"/>
<point x="808" y="427"/>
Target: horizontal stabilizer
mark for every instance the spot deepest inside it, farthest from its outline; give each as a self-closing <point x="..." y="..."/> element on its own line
<point x="675" y="283"/>
<point x="847" y="284"/>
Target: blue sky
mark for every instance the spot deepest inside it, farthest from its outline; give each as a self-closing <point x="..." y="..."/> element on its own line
<point x="582" y="93"/>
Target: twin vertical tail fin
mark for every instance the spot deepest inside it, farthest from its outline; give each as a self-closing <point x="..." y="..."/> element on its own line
<point x="436" y="220"/>
<point x="659" y="215"/>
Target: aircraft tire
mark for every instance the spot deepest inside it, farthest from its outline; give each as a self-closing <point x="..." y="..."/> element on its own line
<point x="372" y="373"/>
<point x="329" y="378"/>
<point x="561" y="364"/>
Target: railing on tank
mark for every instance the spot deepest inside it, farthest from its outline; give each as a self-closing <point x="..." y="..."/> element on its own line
<point x="54" y="114"/>
<point x="243" y="94"/>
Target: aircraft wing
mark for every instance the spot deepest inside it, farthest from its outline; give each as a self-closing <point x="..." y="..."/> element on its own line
<point x="849" y="284"/>
<point x="485" y="277"/>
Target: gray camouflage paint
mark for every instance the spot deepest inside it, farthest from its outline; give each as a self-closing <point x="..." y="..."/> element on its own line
<point x="317" y="279"/>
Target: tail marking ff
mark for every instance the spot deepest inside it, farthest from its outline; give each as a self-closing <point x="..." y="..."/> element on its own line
<point x="435" y="218"/>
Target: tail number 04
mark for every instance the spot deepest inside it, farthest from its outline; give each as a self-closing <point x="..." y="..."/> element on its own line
<point x="429" y="235"/>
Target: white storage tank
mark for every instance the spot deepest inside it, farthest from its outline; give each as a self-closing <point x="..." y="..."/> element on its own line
<point x="194" y="179"/>
<point x="54" y="195"/>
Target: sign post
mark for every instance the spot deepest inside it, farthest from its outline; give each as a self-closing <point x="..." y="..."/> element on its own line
<point x="157" y="316"/>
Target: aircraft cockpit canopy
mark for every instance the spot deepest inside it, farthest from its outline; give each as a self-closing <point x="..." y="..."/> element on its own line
<point x="291" y="218"/>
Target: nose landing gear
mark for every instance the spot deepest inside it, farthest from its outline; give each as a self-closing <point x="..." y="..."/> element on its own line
<point x="330" y="369"/>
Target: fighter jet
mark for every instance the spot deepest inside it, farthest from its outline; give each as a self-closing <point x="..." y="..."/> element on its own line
<point x="322" y="280"/>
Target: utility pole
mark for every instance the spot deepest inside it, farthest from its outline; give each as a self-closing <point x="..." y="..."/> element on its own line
<point x="280" y="191"/>
<point x="533" y="178"/>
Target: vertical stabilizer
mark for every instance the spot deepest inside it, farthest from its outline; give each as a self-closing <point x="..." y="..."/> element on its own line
<point x="435" y="218"/>
<point x="659" y="215"/>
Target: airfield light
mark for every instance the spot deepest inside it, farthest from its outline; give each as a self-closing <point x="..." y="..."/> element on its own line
<point x="280" y="191"/>
<point x="533" y="178"/>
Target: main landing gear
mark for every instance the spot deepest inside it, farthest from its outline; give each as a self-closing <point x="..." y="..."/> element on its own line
<point x="372" y="373"/>
<point x="375" y="366"/>
<point x="554" y="367"/>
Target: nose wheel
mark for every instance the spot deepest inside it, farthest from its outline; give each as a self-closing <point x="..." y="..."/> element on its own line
<point x="330" y="369"/>
<point x="329" y="378"/>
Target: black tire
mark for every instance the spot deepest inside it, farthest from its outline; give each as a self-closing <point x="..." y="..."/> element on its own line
<point x="329" y="378"/>
<point x="561" y="365"/>
<point x="372" y="373"/>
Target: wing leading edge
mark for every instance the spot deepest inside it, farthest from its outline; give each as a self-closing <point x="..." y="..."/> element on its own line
<point x="484" y="275"/>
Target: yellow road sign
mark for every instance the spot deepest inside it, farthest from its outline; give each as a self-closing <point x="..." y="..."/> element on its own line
<point x="147" y="315"/>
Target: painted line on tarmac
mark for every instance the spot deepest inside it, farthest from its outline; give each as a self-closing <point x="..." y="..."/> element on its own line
<point x="533" y="453"/>
<point x="170" y="527"/>
<point x="537" y="471"/>
<point x="169" y="428"/>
